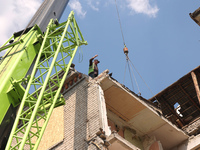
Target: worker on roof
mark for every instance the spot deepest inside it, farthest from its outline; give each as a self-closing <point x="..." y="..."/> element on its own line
<point x="93" y="68"/>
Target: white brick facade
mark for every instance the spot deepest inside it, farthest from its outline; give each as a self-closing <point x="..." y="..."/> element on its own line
<point x="81" y="117"/>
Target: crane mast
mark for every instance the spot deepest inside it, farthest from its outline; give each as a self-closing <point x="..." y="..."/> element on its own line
<point x="49" y="9"/>
<point x="57" y="51"/>
<point x="29" y="74"/>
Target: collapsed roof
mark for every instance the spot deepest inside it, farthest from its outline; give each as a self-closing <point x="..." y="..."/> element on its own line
<point x="180" y="101"/>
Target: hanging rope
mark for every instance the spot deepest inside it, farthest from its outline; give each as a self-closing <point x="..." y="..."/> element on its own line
<point x="120" y="23"/>
<point x="125" y="49"/>
<point x="136" y="81"/>
<point x="143" y="80"/>
<point x="131" y="70"/>
<point x="129" y="63"/>
<point x="130" y="75"/>
<point x="125" y="71"/>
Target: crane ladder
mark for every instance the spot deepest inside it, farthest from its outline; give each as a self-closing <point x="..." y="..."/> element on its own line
<point x="59" y="46"/>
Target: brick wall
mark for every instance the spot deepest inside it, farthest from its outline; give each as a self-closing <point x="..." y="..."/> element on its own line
<point x="81" y="117"/>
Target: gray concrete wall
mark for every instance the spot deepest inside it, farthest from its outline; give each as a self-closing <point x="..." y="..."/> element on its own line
<point x="193" y="143"/>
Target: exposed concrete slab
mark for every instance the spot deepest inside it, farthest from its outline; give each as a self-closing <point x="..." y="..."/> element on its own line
<point x="192" y="144"/>
<point x="118" y="101"/>
<point x="117" y="142"/>
<point x="139" y="114"/>
<point x="168" y="136"/>
<point x="146" y="121"/>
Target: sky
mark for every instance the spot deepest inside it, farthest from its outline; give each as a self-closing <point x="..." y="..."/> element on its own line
<point x="163" y="41"/>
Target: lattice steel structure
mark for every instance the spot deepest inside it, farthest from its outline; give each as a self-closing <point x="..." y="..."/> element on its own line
<point x="42" y="94"/>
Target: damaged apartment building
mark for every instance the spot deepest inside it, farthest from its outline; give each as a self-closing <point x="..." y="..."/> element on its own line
<point x="102" y="114"/>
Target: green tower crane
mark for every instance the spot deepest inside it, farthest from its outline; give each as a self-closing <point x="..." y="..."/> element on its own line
<point x="29" y="76"/>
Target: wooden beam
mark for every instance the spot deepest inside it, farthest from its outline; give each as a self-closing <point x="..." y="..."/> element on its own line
<point x="190" y="98"/>
<point x="171" y="109"/>
<point x="196" y="85"/>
